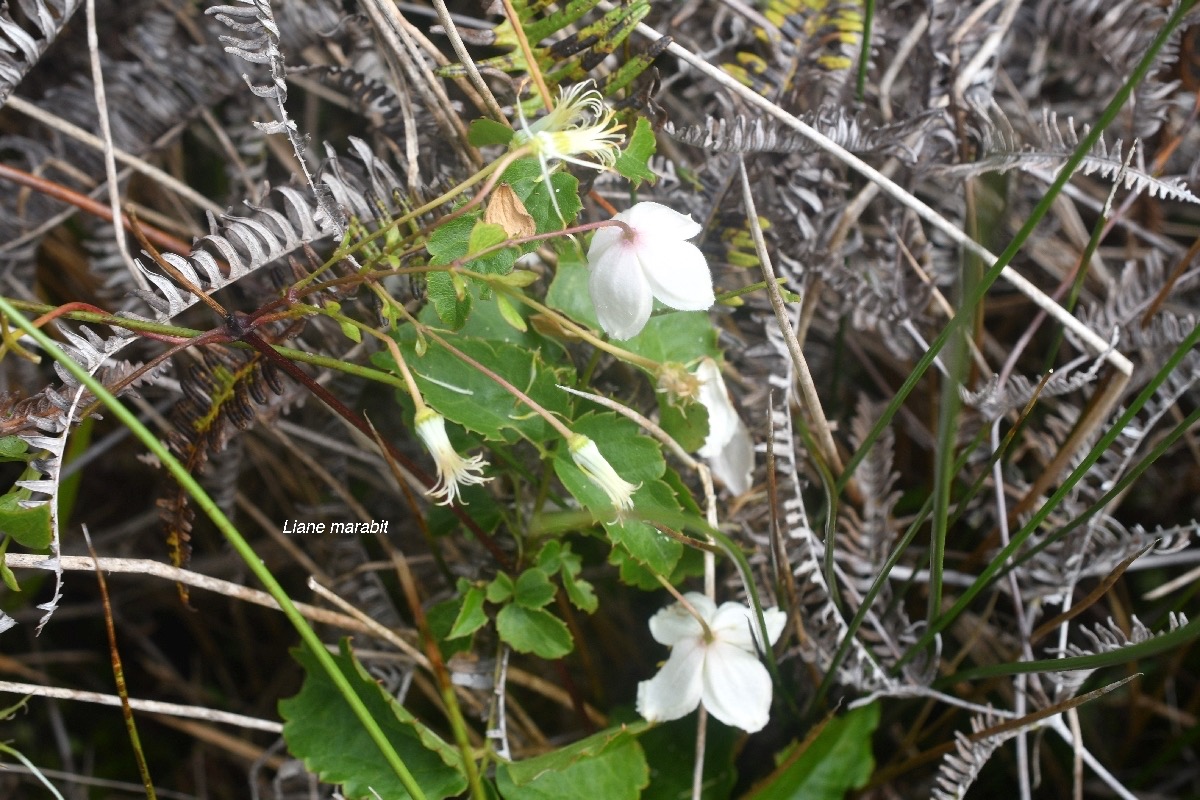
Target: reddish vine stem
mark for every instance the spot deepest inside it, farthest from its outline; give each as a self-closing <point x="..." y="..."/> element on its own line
<point x="85" y="203"/>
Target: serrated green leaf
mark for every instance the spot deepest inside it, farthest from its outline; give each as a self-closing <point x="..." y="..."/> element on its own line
<point x="637" y="459"/>
<point x="484" y="132"/>
<point x="686" y="423"/>
<point x="609" y="765"/>
<point x="485" y="235"/>
<point x="632" y="573"/>
<point x="534" y="630"/>
<point x="464" y="395"/>
<point x="634" y="161"/>
<point x="321" y="730"/>
<point x="580" y="593"/>
<point x="838" y="760"/>
<point x="443" y="296"/>
<point x="533" y="588"/>
<point x="471" y="616"/>
<point x="449" y="241"/>
<point x="550" y="556"/>
<point x="528" y="183"/>
<point x="500" y="589"/>
<point x="29" y="527"/>
<point x="678" y="336"/>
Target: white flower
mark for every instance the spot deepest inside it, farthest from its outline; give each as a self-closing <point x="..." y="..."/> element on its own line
<point x="728" y="448"/>
<point x="723" y="671"/>
<point x="629" y="270"/>
<point x="453" y="470"/>
<point x="587" y="457"/>
<point x="580" y="125"/>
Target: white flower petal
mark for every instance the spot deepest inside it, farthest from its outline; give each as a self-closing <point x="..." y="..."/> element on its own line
<point x="737" y="689"/>
<point x="453" y="471"/>
<point x="595" y="466"/>
<point x="677" y="273"/>
<point x="602" y="240"/>
<point x="660" y="220"/>
<point x="620" y="293"/>
<point x="733" y="624"/>
<point x="736" y="624"/>
<point x="675" y="691"/>
<point x="723" y="419"/>
<point x="675" y="623"/>
<point x="734" y="464"/>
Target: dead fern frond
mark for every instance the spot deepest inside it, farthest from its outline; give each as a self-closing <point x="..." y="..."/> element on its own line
<point x="223" y="394"/>
<point x="1002" y="151"/>
<point x="20" y="48"/>
<point x="853" y="131"/>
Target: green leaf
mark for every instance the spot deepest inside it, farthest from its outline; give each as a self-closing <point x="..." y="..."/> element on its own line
<point x="29" y="527"/>
<point x="440" y="289"/>
<point x="485" y="235"/>
<point x="686" y="423"/>
<point x="638" y="459"/>
<point x="510" y="314"/>
<point x="440" y="618"/>
<point x="534" y="630"/>
<point x="12" y="448"/>
<point x="533" y="589"/>
<point x="632" y="573"/>
<point x="484" y="132"/>
<point x="580" y="593"/>
<point x="449" y="241"/>
<point x="608" y="765"/>
<point x="838" y="760"/>
<point x="350" y="331"/>
<point x="679" y="336"/>
<point x="569" y="292"/>
<point x="633" y="162"/>
<point x="321" y="730"/>
<point x="471" y="616"/>
<point x="500" y="589"/>
<point x="528" y="183"/>
<point x="463" y="394"/>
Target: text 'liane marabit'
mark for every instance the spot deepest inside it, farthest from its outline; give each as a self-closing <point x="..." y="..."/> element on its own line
<point x="296" y="526"/>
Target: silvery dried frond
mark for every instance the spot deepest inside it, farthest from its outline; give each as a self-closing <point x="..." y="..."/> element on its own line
<point x="1124" y="308"/>
<point x="22" y="46"/>
<point x="167" y="81"/>
<point x="1119" y="457"/>
<point x="1094" y="550"/>
<point x="865" y="540"/>
<point x="995" y="400"/>
<point x="853" y="131"/>
<point x="961" y="767"/>
<point x="957" y="33"/>
<point x="1087" y="33"/>
<point x="878" y="289"/>
<point x="1105" y="637"/>
<point x="824" y="626"/>
<point x="1053" y="145"/>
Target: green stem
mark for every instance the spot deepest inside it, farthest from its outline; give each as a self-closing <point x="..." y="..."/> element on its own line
<point x="235" y="538"/>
